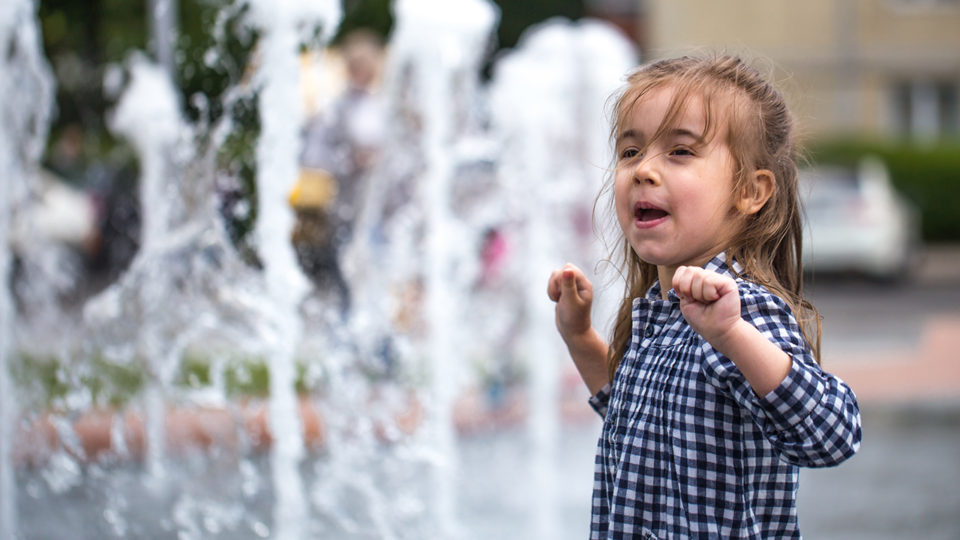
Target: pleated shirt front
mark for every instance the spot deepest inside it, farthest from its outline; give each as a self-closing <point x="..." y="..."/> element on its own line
<point x="688" y="450"/>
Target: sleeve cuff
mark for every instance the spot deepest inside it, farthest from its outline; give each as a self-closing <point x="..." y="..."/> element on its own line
<point x="601" y="400"/>
<point x="798" y="395"/>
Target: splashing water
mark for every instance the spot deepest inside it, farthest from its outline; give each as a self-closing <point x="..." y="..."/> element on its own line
<point x="517" y="157"/>
<point x="278" y="152"/>
<point x="27" y="90"/>
<point x="545" y="98"/>
<point x="438" y="44"/>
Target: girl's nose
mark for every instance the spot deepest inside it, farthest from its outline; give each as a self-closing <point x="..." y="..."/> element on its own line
<point x="646" y="172"/>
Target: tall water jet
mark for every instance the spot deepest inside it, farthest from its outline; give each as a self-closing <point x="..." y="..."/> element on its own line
<point x="162" y="17"/>
<point x="376" y="475"/>
<point x="546" y="99"/>
<point x="25" y="107"/>
<point x="148" y="115"/>
<point x="437" y="48"/>
<point x="283" y="25"/>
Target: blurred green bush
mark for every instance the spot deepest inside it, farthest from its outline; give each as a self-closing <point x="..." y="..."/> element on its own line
<point x="927" y="174"/>
<point x="49" y="382"/>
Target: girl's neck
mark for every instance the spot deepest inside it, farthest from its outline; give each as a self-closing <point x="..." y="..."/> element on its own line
<point x="665" y="275"/>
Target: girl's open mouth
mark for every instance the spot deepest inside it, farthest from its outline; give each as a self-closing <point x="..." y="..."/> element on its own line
<point x="650" y="214"/>
<point x="647" y="215"/>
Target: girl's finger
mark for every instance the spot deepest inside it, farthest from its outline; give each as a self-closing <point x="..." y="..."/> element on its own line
<point x="553" y="286"/>
<point x="696" y="285"/>
<point x="576" y="282"/>
<point x="568" y="283"/>
<point x="711" y="290"/>
<point x="681" y="282"/>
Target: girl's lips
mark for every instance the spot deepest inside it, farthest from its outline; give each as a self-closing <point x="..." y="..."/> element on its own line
<point x="647" y="216"/>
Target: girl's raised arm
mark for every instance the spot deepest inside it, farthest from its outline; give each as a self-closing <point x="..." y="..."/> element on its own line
<point x="573" y="293"/>
<point x="710" y="303"/>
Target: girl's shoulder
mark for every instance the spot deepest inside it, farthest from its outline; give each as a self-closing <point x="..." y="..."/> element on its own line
<point x="772" y="316"/>
<point x="752" y="293"/>
<point x="755" y="296"/>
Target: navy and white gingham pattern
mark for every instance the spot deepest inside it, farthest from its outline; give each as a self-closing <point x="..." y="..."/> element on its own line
<point x="688" y="450"/>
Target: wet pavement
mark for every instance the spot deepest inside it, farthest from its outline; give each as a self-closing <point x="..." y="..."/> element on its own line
<point x="898" y="346"/>
<point x="895" y="344"/>
<point x="901" y="484"/>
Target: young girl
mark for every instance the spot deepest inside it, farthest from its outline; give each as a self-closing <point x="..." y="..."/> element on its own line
<point x="711" y="391"/>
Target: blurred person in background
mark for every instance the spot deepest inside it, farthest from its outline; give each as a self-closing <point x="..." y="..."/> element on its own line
<point x="341" y="146"/>
<point x="83" y="214"/>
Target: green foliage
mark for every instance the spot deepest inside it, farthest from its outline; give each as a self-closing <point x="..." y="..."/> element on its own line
<point x="515" y="16"/>
<point x="249" y="377"/>
<point x="50" y="381"/>
<point x="81" y="38"/>
<point x="929" y="175"/>
<point x="215" y="48"/>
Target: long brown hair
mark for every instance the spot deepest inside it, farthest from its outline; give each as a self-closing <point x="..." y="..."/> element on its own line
<point x="759" y="131"/>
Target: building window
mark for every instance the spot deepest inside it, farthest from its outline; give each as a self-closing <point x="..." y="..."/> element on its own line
<point x="925" y="109"/>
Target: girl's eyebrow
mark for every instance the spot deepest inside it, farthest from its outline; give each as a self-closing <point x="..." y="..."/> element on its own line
<point x="683" y="132"/>
<point x="629" y="134"/>
<point x="673" y="133"/>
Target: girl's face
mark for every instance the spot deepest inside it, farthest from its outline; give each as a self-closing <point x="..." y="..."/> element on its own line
<point x="674" y="196"/>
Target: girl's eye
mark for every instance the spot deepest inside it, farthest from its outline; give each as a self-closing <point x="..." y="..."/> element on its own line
<point x="628" y="153"/>
<point x="681" y="152"/>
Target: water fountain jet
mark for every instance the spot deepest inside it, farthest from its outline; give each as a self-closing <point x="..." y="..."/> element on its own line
<point x="374" y="476"/>
<point x="27" y="87"/>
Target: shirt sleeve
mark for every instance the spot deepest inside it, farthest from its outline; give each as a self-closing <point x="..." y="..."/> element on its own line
<point x="812" y="417"/>
<point x="601" y="400"/>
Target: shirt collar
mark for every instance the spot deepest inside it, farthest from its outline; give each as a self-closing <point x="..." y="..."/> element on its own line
<point x="717" y="264"/>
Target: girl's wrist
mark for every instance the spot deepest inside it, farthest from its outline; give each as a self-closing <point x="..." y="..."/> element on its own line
<point x="762" y="362"/>
<point x="589" y="352"/>
<point x="725" y="340"/>
<point x="580" y="339"/>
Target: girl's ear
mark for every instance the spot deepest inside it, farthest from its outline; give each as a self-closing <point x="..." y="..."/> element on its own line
<point x="757" y="191"/>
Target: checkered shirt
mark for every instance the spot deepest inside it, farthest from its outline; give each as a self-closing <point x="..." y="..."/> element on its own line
<point x="688" y="450"/>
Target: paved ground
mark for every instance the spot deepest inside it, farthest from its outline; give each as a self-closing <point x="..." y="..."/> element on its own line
<point x="902" y="483"/>
<point x="895" y="344"/>
<point x="898" y="346"/>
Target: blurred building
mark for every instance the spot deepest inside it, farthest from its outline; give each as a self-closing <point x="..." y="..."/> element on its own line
<point x="867" y="67"/>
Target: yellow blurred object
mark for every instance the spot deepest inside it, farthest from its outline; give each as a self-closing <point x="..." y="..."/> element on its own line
<point x="315" y="188"/>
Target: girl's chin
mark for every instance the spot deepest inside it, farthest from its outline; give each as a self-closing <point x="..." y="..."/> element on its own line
<point x="658" y="258"/>
<point x="650" y="252"/>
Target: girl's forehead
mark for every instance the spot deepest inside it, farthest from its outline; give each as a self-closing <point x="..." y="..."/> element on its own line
<point x="663" y="108"/>
<point x="671" y="108"/>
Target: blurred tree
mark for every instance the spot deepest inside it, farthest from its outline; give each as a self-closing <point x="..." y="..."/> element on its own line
<point x="80" y="38"/>
<point x="83" y="37"/>
<point x="515" y="17"/>
<point x="215" y="48"/>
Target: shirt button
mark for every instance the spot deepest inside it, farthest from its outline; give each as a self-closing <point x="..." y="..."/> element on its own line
<point x="648" y="332"/>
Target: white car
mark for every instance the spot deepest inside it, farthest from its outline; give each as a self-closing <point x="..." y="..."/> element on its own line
<point x="857" y="222"/>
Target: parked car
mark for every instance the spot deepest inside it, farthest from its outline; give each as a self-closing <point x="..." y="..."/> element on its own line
<point x="856" y="221"/>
